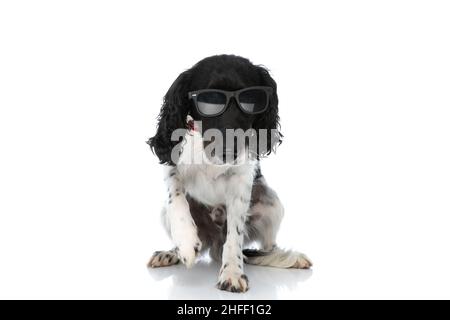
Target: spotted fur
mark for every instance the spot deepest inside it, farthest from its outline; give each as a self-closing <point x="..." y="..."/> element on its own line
<point x="222" y="208"/>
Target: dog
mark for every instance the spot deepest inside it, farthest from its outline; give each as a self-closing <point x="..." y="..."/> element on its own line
<point x="221" y="203"/>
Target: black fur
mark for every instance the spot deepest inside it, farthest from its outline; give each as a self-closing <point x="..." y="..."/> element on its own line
<point x="227" y="72"/>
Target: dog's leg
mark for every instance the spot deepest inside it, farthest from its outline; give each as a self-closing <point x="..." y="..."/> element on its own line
<point x="265" y="215"/>
<point x="232" y="277"/>
<point x="178" y="220"/>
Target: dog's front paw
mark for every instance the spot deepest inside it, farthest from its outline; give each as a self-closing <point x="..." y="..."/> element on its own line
<point x="188" y="251"/>
<point x="302" y="262"/>
<point x="187" y="242"/>
<point x="232" y="280"/>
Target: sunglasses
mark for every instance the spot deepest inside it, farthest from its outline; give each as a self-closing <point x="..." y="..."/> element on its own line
<point x="214" y="102"/>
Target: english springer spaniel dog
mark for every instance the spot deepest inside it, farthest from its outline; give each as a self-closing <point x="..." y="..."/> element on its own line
<point x="221" y="201"/>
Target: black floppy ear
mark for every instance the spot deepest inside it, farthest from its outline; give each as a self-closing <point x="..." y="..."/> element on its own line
<point x="172" y="116"/>
<point x="270" y="119"/>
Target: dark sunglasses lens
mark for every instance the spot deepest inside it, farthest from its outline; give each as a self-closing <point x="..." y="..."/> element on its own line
<point x="253" y="100"/>
<point x="211" y="103"/>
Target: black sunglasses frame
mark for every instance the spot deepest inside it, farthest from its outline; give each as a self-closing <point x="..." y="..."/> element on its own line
<point x="231" y="94"/>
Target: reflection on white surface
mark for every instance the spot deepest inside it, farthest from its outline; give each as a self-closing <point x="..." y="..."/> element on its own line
<point x="199" y="282"/>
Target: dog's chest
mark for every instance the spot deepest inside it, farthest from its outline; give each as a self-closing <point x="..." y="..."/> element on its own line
<point x="206" y="184"/>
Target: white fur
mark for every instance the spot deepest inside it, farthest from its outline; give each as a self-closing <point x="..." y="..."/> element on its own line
<point x="182" y="227"/>
<point x="212" y="185"/>
<point x="230" y="185"/>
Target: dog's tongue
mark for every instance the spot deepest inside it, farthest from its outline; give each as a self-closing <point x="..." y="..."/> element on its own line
<point x="191" y="123"/>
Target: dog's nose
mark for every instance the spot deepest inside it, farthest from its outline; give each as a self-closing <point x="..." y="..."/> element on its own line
<point x="230" y="154"/>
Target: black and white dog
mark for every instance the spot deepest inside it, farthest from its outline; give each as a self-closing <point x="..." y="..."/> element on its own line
<point x="223" y="202"/>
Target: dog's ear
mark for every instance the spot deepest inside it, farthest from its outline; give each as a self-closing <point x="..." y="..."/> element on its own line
<point x="270" y="119"/>
<point x="172" y="116"/>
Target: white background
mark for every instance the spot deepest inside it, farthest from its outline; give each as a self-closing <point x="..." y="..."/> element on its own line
<point x="363" y="172"/>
